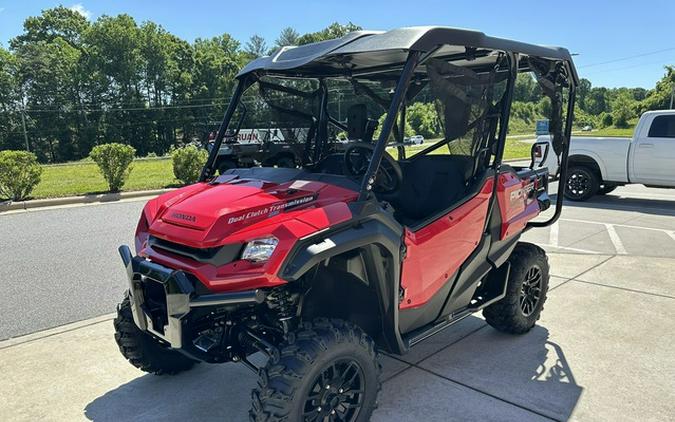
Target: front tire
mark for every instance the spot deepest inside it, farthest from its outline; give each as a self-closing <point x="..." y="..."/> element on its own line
<point x="143" y="351"/>
<point x="581" y="184"/>
<point x="526" y="291"/>
<point x="326" y="369"/>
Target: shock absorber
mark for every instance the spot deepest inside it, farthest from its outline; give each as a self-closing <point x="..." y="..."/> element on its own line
<point x="283" y="303"/>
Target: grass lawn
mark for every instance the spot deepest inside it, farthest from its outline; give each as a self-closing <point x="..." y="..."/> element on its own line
<point x="83" y="177"/>
<point x="80" y="178"/>
<point x="514" y="149"/>
<point x="609" y="131"/>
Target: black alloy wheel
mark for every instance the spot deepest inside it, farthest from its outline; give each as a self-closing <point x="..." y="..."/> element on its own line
<point x="326" y="370"/>
<point x="530" y="291"/>
<point x="582" y="183"/>
<point x="526" y="289"/>
<point x="337" y="393"/>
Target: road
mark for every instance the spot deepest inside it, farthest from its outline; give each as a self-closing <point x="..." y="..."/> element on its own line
<point x="61" y="265"/>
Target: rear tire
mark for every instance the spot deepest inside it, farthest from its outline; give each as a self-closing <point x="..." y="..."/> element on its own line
<point x="581" y="184"/>
<point x="526" y="291"/>
<point x="226" y="165"/>
<point x="605" y="189"/>
<point x="143" y="351"/>
<point x="286" y="162"/>
<point x="326" y="368"/>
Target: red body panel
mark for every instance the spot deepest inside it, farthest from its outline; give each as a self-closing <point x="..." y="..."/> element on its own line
<point x="205" y="216"/>
<point x="437" y="250"/>
<point x="516" y="203"/>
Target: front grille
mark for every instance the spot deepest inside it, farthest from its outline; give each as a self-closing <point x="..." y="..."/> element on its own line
<point x="220" y="255"/>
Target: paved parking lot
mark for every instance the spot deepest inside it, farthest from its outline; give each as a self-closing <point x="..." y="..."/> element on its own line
<point x="633" y="220"/>
<point x="601" y="351"/>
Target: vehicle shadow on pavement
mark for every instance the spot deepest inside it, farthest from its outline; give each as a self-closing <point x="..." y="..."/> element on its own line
<point x="485" y="376"/>
<point x="205" y="393"/>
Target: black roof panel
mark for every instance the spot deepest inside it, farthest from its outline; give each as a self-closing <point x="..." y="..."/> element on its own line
<point x="420" y="38"/>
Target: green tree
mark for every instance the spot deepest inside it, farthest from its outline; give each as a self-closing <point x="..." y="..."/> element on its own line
<point x="115" y="62"/>
<point x="47" y="77"/>
<point x="409" y="131"/>
<point x="423" y="119"/>
<point x="623" y="108"/>
<point x="217" y="61"/>
<point x="59" y="22"/>
<point x="256" y="46"/>
<point x="596" y="101"/>
<point x="334" y="30"/>
<point x="10" y="123"/>
<point x="659" y="97"/>
<point x="526" y="88"/>
<point x="583" y="91"/>
<point x="288" y="36"/>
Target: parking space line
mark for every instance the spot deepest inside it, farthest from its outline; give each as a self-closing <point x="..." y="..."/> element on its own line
<point x="581" y="273"/>
<point x="567" y="248"/>
<point x="671" y="233"/>
<point x="553" y="235"/>
<point x="616" y="240"/>
<point x="625" y="289"/>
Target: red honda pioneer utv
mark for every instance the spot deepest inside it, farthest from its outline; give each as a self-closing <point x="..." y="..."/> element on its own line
<point x="322" y="266"/>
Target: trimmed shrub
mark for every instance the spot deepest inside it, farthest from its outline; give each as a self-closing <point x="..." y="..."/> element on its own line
<point x="114" y="162"/>
<point x="19" y="174"/>
<point x="188" y="162"/>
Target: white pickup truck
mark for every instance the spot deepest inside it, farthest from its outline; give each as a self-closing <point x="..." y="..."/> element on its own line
<point x="599" y="165"/>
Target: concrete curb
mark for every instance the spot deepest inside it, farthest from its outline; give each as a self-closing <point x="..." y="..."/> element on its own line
<point x="13" y="341"/>
<point x="84" y="199"/>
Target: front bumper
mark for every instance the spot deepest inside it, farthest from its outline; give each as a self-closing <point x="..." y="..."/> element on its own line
<point x="166" y="316"/>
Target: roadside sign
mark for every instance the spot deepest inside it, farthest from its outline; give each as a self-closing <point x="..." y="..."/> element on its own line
<point x="542" y="127"/>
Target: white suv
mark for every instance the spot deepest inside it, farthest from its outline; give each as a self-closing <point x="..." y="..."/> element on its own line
<point x="416" y="140"/>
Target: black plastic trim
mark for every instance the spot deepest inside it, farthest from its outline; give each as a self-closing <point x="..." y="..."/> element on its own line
<point x="217" y="256"/>
<point x="371" y="230"/>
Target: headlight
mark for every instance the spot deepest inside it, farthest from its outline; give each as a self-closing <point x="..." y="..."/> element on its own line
<point x="260" y="249"/>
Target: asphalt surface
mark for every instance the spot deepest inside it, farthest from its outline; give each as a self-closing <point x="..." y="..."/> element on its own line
<point x="61" y="265"/>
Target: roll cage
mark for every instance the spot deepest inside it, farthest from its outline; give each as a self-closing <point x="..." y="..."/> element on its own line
<point x="405" y="58"/>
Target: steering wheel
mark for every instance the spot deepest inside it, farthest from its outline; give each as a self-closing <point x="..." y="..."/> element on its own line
<point x="388" y="178"/>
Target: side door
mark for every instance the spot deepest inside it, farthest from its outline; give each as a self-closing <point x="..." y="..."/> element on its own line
<point x="435" y="252"/>
<point x="653" y="153"/>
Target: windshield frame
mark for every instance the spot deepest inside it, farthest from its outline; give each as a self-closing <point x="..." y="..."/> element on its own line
<point x="324" y="118"/>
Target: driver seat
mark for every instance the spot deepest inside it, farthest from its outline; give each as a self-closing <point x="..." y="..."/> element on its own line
<point x="431" y="184"/>
<point x="359" y="126"/>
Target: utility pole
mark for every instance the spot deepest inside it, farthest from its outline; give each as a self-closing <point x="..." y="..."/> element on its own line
<point x="23" y="123"/>
<point x="672" y="95"/>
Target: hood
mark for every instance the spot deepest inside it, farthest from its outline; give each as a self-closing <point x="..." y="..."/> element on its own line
<point x="207" y="212"/>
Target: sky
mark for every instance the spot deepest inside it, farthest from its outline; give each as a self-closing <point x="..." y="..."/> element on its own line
<point x="619" y="43"/>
